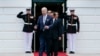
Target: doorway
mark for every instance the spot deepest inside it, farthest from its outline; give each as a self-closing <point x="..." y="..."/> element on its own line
<point x="37" y="12"/>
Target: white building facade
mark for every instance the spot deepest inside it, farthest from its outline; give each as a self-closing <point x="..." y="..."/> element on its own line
<point x="11" y="37"/>
<point x="89" y="13"/>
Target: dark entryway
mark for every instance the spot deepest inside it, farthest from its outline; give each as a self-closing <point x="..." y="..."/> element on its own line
<point x="36" y="10"/>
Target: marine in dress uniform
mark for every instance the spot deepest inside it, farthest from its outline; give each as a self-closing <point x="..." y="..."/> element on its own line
<point x="29" y="22"/>
<point x="56" y="34"/>
<point x="73" y="26"/>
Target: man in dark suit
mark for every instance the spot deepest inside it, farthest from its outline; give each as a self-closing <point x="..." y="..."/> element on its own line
<point x="29" y="22"/>
<point x="56" y="33"/>
<point x="44" y="20"/>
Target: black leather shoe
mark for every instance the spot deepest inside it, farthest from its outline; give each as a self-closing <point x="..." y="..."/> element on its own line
<point x="28" y="52"/>
<point x="72" y="52"/>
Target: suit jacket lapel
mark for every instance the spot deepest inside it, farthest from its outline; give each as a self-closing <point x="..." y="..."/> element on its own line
<point x="42" y="20"/>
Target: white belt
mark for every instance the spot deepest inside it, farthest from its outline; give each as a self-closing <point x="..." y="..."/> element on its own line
<point x="72" y="24"/>
<point x="28" y="23"/>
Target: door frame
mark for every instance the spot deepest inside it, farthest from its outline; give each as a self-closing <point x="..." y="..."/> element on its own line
<point x="64" y="5"/>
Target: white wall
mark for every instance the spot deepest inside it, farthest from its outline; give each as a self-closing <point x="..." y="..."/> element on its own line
<point x="11" y="37"/>
<point x="88" y="40"/>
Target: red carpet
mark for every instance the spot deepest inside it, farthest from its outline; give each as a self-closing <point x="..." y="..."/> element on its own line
<point x="59" y="54"/>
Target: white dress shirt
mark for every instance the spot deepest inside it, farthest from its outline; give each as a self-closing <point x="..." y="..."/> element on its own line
<point x="53" y="20"/>
<point x="44" y="18"/>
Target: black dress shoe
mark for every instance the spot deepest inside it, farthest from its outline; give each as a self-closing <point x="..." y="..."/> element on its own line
<point x="28" y="52"/>
<point x="72" y="52"/>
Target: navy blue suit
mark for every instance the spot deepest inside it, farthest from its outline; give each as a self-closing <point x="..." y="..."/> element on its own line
<point x="44" y="33"/>
<point x="56" y="32"/>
